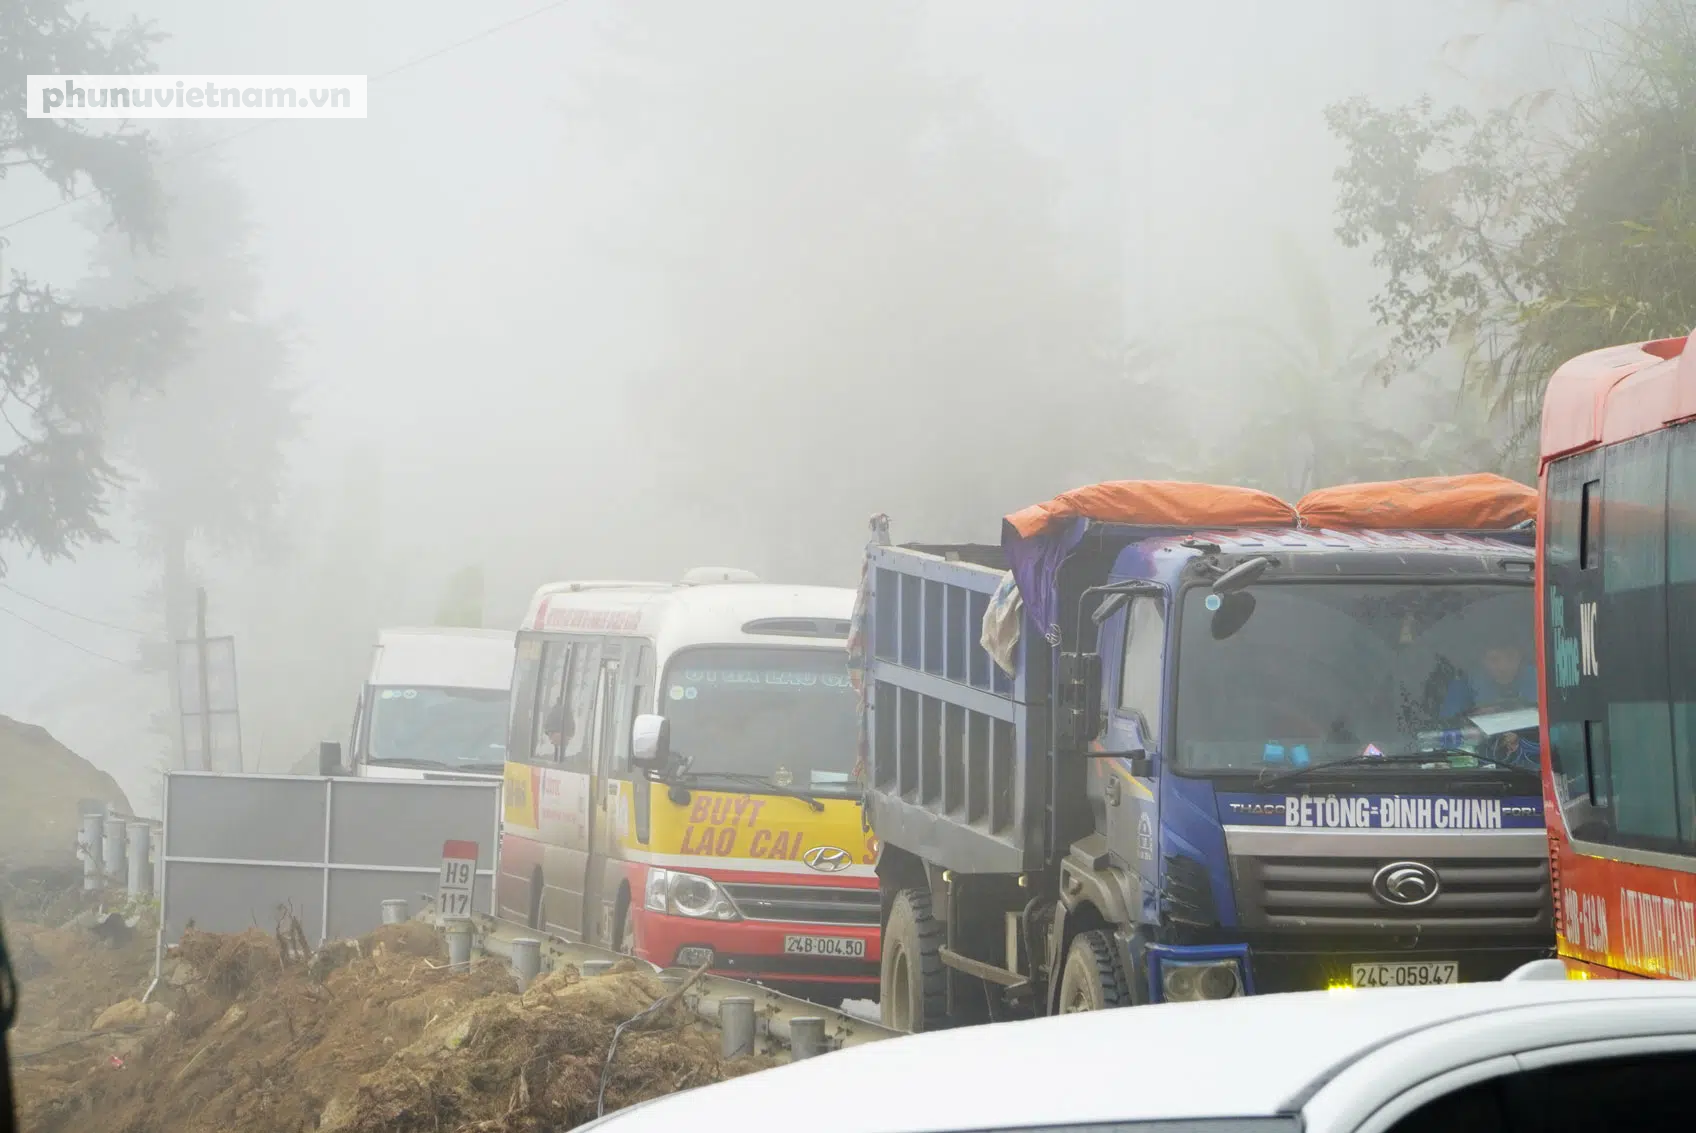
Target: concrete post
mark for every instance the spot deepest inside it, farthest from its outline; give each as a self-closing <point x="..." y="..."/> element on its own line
<point x="594" y="968"/>
<point x="92" y="869"/>
<point x="112" y="852"/>
<point x="141" y="872"/>
<point x="806" y="1037"/>
<point x="459" y="944"/>
<point x="736" y="1022"/>
<point x="526" y="960"/>
<point x="394" y="911"/>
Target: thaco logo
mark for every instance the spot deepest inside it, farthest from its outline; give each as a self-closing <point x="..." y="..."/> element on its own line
<point x="1406" y="884"/>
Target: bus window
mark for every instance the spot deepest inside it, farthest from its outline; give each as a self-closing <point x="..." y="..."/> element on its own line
<point x="1631" y="644"/>
<point x="1590" y="529"/>
<point x="521" y="728"/>
<point x="641" y="700"/>
<point x="576" y="709"/>
<point x="1567" y="698"/>
<point x="554" y="721"/>
<point x="607" y="725"/>
<point x="1681" y="619"/>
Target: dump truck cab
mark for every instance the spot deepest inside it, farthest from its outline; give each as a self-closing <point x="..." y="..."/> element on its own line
<point x="1197" y="762"/>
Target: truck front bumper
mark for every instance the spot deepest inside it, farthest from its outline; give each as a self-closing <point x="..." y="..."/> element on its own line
<point x="1220" y="970"/>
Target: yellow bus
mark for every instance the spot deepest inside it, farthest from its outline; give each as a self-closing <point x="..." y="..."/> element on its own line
<point x="679" y="780"/>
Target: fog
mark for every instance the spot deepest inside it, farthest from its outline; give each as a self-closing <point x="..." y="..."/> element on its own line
<point x="627" y="287"/>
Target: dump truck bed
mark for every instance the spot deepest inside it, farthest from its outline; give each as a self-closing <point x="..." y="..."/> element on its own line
<point x="956" y="769"/>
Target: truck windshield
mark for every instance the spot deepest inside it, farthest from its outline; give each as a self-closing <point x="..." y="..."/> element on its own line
<point x="456" y="728"/>
<point x="788" y="715"/>
<point x="1325" y="671"/>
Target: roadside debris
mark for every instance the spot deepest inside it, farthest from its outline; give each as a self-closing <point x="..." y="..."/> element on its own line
<point x="251" y="1031"/>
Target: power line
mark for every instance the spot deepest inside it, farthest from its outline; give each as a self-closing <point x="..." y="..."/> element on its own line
<point x="63" y="640"/>
<point x="391" y="72"/>
<point x="71" y="613"/>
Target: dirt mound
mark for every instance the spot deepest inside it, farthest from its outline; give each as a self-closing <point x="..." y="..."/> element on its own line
<point x="371" y="1035"/>
<point x="38" y="809"/>
<point x="77" y="1002"/>
<point x="68" y="975"/>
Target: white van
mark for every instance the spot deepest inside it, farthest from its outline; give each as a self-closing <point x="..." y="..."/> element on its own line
<point x="434" y="705"/>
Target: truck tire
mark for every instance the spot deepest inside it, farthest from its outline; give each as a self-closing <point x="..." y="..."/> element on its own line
<point x="1093" y="979"/>
<point x="913" y="987"/>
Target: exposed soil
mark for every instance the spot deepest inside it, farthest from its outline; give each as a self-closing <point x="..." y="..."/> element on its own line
<point x="44" y="780"/>
<point x="251" y="1032"/>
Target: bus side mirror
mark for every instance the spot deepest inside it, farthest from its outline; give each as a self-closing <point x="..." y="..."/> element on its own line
<point x="330" y="758"/>
<point x="650" y="744"/>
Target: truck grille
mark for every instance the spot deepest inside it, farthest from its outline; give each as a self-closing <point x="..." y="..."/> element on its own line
<point x="1475" y="894"/>
<point x="806" y="904"/>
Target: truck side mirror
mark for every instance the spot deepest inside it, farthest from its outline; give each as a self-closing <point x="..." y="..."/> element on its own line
<point x="1078" y="703"/>
<point x="1141" y="765"/>
<point x="650" y="744"/>
<point x="330" y="758"/>
<point x="1241" y="576"/>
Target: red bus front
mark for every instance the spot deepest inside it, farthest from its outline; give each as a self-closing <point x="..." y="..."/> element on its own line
<point x="1616" y="630"/>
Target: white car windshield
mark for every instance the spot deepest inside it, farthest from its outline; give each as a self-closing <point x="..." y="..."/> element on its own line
<point x="456" y="728"/>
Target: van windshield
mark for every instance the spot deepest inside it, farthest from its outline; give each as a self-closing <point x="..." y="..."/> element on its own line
<point x="463" y="729"/>
<point x="1322" y="671"/>
<point x="788" y="715"/>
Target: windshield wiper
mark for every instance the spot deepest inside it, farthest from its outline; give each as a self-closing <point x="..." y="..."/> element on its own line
<point x="1400" y="757"/>
<point x="765" y="785"/>
<point x="402" y="762"/>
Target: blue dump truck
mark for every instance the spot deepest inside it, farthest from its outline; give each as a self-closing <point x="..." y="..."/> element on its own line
<point x="1175" y="741"/>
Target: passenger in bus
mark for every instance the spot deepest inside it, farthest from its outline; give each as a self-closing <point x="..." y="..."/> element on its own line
<point x="559" y="725"/>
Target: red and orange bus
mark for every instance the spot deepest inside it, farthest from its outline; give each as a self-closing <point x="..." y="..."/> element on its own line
<point x="1616" y="630"/>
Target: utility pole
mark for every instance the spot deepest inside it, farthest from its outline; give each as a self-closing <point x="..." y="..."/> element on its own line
<point x="205" y="683"/>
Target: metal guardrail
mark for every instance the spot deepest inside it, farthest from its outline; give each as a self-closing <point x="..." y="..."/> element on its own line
<point x="774" y="1013"/>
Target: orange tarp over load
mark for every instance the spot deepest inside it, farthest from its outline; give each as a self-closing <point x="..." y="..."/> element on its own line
<point x="1158" y="503"/>
<point x="1478" y="502"/>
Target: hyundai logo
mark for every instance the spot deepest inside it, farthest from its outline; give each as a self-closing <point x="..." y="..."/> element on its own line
<point x="1406" y="884"/>
<point x="828" y="859"/>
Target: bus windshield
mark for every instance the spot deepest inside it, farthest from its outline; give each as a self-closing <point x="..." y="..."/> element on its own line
<point x="787" y="715"/>
<point x="1327" y="671"/>
<point x="461" y="729"/>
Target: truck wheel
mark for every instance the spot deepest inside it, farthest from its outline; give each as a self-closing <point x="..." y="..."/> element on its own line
<point x="913" y="988"/>
<point x="1093" y="979"/>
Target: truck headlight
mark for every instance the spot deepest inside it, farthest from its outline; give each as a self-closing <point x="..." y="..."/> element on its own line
<point x="687" y="895"/>
<point x="1186" y="981"/>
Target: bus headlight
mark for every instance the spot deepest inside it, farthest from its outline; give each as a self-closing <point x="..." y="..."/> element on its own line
<point x="687" y="895"/>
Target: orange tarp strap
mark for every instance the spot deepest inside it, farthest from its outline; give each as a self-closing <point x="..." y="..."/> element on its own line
<point x="1158" y="503"/>
<point x="1478" y="502"/>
